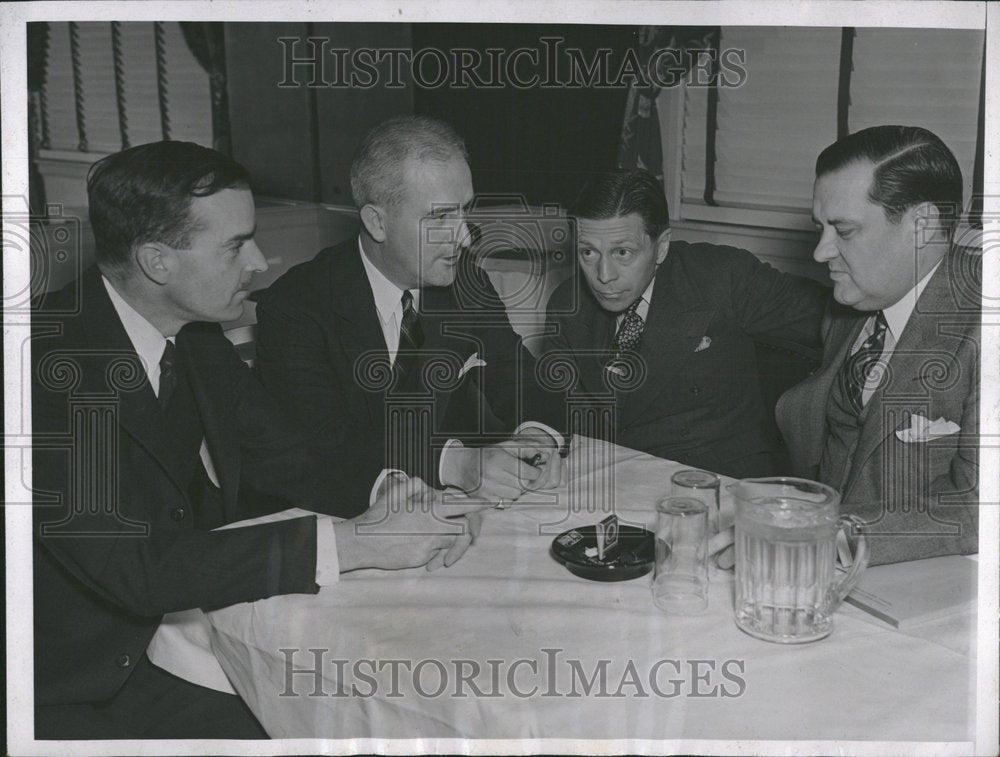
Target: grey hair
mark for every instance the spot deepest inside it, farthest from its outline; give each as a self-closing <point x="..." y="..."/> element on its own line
<point x="377" y="168"/>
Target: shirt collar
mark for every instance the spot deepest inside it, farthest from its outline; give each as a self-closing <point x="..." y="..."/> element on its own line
<point x="642" y="309"/>
<point x="146" y="339"/>
<point x="388" y="296"/>
<point x="898" y="314"/>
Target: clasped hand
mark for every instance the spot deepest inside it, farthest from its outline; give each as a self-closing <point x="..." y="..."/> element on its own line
<point x="527" y="462"/>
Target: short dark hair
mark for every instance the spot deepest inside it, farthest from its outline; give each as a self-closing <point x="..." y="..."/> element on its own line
<point x="621" y="193"/>
<point x="376" y="170"/>
<point x="912" y="166"/>
<point x="143" y="194"/>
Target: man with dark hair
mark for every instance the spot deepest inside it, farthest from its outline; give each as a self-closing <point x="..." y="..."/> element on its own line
<point x="147" y="425"/>
<point x="661" y="337"/>
<point x="394" y="346"/>
<point x="891" y="419"/>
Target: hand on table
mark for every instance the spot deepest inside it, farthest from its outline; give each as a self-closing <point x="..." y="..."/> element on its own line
<point x="409" y="525"/>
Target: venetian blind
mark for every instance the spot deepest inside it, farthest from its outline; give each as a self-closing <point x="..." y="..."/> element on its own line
<point x="770" y="130"/>
<point x="164" y="92"/>
<point x="921" y="77"/>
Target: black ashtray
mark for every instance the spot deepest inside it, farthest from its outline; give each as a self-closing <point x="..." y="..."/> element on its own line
<point x="633" y="556"/>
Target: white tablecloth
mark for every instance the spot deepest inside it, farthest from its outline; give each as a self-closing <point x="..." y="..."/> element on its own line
<point x="507" y="602"/>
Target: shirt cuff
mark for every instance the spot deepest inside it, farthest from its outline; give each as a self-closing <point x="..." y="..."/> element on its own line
<point x="377" y="486"/>
<point x="450" y="444"/>
<point x="539" y="426"/>
<point x="327" y="562"/>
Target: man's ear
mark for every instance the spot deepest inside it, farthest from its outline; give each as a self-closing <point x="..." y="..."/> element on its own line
<point x="662" y="246"/>
<point x="927" y="224"/>
<point x="373" y="219"/>
<point x="156" y="261"/>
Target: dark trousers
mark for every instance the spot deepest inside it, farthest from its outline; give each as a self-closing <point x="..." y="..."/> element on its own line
<point x="152" y="704"/>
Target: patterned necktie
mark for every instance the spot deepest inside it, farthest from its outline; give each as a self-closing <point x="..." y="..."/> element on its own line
<point x="168" y="374"/>
<point x="411" y="336"/>
<point x="858" y="367"/>
<point x="629" y="335"/>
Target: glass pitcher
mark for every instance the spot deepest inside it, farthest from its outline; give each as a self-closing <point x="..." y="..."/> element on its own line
<point x="786" y="549"/>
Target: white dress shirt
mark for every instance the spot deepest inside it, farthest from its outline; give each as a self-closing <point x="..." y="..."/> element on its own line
<point x="896" y="317"/>
<point x="149" y="344"/>
<point x="388" y="303"/>
<point x="642" y="310"/>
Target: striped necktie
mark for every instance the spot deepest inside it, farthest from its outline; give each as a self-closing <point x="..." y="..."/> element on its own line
<point x="411" y="336"/>
<point x="857" y="369"/>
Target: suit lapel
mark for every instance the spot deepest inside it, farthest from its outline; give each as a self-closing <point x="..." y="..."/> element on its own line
<point x="139" y="413"/>
<point x="216" y="407"/>
<point x="357" y="321"/>
<point x="913" y="356"/>
<point x="589" y="334"/>
<point x="677" y="320"/>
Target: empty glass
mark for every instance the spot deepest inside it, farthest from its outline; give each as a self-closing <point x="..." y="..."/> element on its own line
<point x="681" y="582"/>
<point x="700" y="485"/>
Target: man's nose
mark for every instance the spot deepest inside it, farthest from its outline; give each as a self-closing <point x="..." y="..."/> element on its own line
<point x="464" y="238"/>
<point x="606" y="270"/>
<point x="825" y="250"/>
<point x="254" y="257"/>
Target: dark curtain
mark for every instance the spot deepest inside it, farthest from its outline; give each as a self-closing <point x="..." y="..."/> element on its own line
<point x="537" y="141"/>
<point x="208" y="45"/>
<point x="38" y="50"/>
<point x="640" y="144"/>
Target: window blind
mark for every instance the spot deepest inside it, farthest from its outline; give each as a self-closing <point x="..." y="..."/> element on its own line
<point x="771" y="128"/>
<point x="769" y="131"/>
<point x="921" y="77"/>
<point x="83" y="106"/>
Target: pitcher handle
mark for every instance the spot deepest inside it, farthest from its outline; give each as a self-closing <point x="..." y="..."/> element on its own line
<point x="848" y="582"/>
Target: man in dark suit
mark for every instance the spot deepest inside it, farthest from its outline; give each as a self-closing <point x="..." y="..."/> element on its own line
<point x="146" y="425"/>
<point x="660" y="337"/>
<point x="891" y="419"/>
<point x="394" y="347"/>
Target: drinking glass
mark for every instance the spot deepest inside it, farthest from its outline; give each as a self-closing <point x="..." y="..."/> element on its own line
<point x="700" y="485"/>
<point x="681" y="581"/>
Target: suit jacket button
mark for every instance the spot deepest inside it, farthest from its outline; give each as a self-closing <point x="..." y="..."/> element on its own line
<point x="123" y="661"/>
<point x="695" y="390"/>
<point x="177" y="514"/>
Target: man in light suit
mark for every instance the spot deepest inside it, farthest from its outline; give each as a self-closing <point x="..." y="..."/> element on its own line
<point x="147" y="426"/>
<point x="891" y="418"/>
<point x="660" y="334"/>
<point x="393" y="347"/>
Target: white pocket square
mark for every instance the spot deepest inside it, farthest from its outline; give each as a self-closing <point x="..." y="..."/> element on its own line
<point x="474" y="361"/>
<point x="923" y="430"/>
<point x="704" y="344"/>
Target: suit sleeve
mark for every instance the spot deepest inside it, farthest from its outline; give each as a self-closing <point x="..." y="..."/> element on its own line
<point x="768" y="303"/>
<point x="119" y="541"/>
<point x="293" y="367"/>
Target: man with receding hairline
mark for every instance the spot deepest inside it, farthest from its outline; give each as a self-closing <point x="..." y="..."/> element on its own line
<point x="891" y="419"/>
<point x="394" y="346"/>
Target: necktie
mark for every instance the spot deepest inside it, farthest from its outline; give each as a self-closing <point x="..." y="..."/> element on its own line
<point x="411" y="336"/>
<point x="858" y="367"/>
<point x="629" y="335"/>
<point x="168" y="374"/>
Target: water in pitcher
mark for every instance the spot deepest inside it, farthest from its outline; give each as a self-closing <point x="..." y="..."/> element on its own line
<point x="785" y="569"/>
